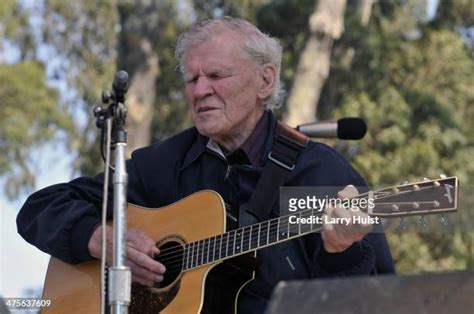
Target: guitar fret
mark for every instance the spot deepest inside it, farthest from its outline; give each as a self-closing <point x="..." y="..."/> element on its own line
<point x="278" y="230"/>
<point x="208" y="243"/>
<point x="227" y="245"/>
<point x="242" y="239"/>
<point x="258" y="239"/>
<point x="273" y="237"/>
<point x="268" y="232"/>
<point x="255" y="237"/>
<point x="214" y="249"/>
<point x="305" y="227"/>
<point x="235" y="236"/>
<point x="196" y="259"/>
<point x="220" y="247"/>
<point x="250" y="238"/>
<point x="281" y="234"/>
<point x="299" y="224"/>
<point x="237" y="246"/>
<point x="202" y="251"/>
<point x="288" y="227"/>
<point x="224" y="245"/>
<point x="186" y="256"/>
<point x="192" y="254"/>
<point x="198" y="253"/>
<point x="189" y="256"/>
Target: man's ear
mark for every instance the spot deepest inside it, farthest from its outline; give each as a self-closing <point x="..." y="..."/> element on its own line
<point x="268" y="78"/>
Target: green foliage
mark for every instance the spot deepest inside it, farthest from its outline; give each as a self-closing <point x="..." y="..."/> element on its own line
<point x="29" y="116"/>
<point x="14" y="28"/>
<point x="413" y="83"/>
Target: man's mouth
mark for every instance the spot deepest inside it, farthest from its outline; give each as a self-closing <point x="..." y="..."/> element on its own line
<point x="204" y="109"/>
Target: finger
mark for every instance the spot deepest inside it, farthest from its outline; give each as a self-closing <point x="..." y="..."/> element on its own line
<point x="338" y="237"/>
<point x="349" y="191"/>
<point x="329" y="244"/>
<point x="139" y="240"/>
<point x="144" y="281"/>
<point x="145" y="261"/>
<point x="143" y="275"/>
<point x="328" y="210"/>
<point x="341" y="228"/>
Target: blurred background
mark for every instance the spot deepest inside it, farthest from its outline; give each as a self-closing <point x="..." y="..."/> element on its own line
<point x="405" y="66"/>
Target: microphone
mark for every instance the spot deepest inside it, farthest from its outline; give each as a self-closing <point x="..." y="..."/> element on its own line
<point x="120" y="85"/>
<point x="344" y="129"/>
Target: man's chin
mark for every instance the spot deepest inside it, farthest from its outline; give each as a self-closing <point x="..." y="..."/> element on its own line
<point x="211" y="131"/>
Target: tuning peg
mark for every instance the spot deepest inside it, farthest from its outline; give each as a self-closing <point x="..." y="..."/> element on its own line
<point x="443" y="220"/>
<point x="404" y="182"/>
<point x="422" y="222"/>
<point x="402" y="226"/>
<point x="443" y="176"/>
<point x="425" y="179"/>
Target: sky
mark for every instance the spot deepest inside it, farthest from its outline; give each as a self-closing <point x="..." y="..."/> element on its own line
<point x="23" y="266"/>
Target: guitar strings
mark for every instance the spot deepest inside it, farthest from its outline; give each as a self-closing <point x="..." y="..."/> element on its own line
<point x="358" y="196"/>
<point x="174" y="249"/>
<point x="175" y="256"/>
<point x="177" y="264"/>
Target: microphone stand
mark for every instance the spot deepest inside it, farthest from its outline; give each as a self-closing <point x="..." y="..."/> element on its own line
<point x="119" y="290"/>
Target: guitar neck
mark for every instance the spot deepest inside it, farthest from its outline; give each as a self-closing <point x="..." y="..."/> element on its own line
<point x="421" y="198"/>
<point x="250" y="238"/>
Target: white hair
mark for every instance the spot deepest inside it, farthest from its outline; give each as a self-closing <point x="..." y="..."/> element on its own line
<point x="261" y="48"/>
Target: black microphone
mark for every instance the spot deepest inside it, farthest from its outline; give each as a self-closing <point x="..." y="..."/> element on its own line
<point x="120" y="85"/>
<point x="344" y="129"/>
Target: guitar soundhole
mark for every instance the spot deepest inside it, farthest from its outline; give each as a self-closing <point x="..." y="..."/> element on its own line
<point x="171" y="255"/>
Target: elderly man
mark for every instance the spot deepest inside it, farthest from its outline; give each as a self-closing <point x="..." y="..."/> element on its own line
<point x="232" y="77"/>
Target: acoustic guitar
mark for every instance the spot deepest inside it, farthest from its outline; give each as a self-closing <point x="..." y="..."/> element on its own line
<point x="192" y="237"/>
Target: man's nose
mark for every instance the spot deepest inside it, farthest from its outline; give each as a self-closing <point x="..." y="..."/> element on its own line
<point x="203" y="87"/>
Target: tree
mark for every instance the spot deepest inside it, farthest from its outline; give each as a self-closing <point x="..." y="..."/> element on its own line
<point x="326" y="25"/>
<point x="30" y="114"/>
<point x="412" y="81"/>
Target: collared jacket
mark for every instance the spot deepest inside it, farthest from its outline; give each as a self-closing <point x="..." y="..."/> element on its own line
<point x="60" y="219"/>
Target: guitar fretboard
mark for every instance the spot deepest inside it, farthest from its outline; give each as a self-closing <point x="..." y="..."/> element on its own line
<point x="248" y="239"/>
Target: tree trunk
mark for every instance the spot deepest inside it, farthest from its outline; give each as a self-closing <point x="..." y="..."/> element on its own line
<point x="141" y="99"/>
<point x="332" y="94"/>
<point x="138" y="56"/>
<point x="326" y="24"/>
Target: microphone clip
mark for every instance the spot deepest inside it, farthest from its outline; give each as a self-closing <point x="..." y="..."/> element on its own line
<point x="116" y="109"/>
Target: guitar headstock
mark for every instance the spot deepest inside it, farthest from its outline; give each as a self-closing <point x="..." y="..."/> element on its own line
<point x="426" y="197"/>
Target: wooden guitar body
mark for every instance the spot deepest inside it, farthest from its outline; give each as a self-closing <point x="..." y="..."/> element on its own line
<point x="76" y="288"/>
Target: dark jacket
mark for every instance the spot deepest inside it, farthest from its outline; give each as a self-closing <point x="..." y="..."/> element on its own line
<point x="60" y="219"/>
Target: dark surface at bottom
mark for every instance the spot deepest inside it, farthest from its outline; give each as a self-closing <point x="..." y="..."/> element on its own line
<point x="423" y="293"/>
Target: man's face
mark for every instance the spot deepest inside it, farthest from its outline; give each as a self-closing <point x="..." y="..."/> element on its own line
<point x="222" y="88"/>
